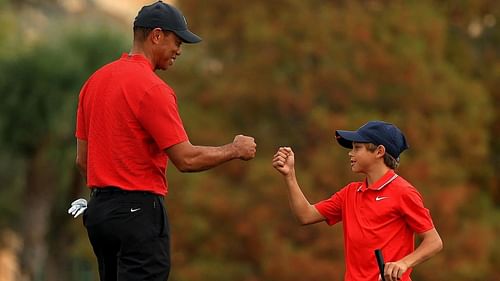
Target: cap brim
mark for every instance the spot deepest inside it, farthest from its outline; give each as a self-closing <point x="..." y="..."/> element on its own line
<point x="346" y="138"/>
<point x="187" y="36"/>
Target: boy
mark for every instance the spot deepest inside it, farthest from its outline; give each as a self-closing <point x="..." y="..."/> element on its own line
<point x="382" y="212"/>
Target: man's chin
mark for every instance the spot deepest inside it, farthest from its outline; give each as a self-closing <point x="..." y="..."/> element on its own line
<point x="161" y="67"/>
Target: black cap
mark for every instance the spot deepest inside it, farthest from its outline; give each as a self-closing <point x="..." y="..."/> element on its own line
<point x="166" y="17"/>
<point x="378" y="133"/>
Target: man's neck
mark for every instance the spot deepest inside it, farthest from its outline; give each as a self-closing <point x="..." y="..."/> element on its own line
<point x="141" y="50"/>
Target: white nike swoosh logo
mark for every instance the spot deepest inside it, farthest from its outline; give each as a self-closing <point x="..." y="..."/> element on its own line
<point x="381" y="198"/>
<point x="132" y="210"/>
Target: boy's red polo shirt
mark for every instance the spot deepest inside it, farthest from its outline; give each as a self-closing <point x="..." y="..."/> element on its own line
<point x="128" y="116"/>
<point x="383" y="216"/>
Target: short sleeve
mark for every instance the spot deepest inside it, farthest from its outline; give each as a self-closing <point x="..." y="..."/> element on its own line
<point x="159" y="116"/>
<point x="331" y="208"/>
<point x="415" y="214"/>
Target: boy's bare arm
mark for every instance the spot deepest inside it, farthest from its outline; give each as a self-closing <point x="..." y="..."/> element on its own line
<point x="302" y="209"/>
<point x="284" y="162"/>
<point x="431" y="245"/>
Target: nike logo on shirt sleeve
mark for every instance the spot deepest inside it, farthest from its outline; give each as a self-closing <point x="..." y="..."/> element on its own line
<point x="378" y="198"/>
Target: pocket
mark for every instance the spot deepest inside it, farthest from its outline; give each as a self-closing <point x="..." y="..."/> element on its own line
<point x="135" y="206"/>
<point x="134" y="212"/>
<point x="134" y="209"/>
<point x="133" y="222"/>
<point x="164" y="226"/>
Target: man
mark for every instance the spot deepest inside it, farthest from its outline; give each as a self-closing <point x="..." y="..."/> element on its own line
<point x="128" y="126"/>
<point x="382" y="212"/>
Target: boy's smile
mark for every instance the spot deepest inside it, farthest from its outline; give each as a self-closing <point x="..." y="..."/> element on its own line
<point x="361" y="158"/>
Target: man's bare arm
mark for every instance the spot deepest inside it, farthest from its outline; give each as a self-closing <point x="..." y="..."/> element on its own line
<point x="81" y="157"/>
<point x="192" y="158"/>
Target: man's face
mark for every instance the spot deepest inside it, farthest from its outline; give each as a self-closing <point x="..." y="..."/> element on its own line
<point x="167" y="49"/>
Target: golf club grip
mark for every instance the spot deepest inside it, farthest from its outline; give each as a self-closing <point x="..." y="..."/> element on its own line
<point x="380" y="262"/>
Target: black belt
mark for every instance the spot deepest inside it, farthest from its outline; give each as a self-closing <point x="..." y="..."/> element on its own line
<point x="115" y="190"/>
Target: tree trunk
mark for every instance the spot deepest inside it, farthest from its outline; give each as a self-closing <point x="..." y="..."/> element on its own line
<point x="36" y="206"/>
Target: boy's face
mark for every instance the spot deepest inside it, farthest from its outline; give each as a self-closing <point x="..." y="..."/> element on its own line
<point x="362" y="160"/>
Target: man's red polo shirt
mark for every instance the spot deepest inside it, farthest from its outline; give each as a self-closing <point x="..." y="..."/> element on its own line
<point x="128" y="116"/>
<point x="383" y="216"/>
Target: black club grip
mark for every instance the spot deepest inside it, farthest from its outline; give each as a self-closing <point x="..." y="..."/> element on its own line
<point x="380" y="262"/>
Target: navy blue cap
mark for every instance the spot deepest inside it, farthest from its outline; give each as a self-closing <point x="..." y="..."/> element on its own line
<point x="378" y="133"/>
<point x="166" y="17"/>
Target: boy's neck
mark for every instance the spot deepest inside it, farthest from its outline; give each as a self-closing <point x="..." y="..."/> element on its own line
<point x="377" y="172"/>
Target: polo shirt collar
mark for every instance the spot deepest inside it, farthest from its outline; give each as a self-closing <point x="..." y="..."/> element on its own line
<point x="380" y="183"/>
<point x="137" y="58"/>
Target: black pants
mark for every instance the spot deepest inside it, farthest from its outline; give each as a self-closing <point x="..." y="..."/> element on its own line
<point x="130" y="235"/>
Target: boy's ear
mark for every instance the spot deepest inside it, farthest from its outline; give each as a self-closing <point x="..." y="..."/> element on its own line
<point x="380" y="151"/>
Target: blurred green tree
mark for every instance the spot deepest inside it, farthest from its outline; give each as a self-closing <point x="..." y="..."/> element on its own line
<point x="39" y="90"/>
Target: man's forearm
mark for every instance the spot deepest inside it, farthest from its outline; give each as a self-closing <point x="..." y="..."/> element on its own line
<point x="81" y="157"/>
<point x="205" y="157"/>
<point x="190" y="158"/>
<point x="82" y="168"/>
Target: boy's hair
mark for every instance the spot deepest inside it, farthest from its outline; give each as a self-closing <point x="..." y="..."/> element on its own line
<point x="390" y="161"/>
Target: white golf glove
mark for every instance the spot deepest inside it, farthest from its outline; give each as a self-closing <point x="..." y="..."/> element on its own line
<point x="77" y="207"/>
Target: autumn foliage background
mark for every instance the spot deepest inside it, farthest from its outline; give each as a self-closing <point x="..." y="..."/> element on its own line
<point x="288" y="72"/>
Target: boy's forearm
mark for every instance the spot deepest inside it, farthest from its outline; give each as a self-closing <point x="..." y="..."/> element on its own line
<point x="431" y="245"/>
<point x="302" y="209"/>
